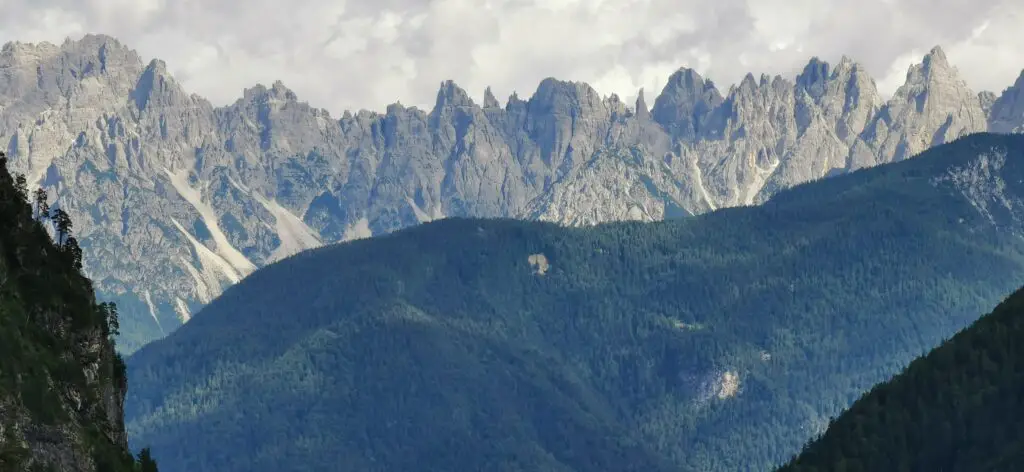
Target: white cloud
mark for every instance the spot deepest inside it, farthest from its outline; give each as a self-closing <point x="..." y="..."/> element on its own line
<point x="347" y="54"/>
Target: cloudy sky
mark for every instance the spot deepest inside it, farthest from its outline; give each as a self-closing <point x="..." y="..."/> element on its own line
<point x="349" y="54"/>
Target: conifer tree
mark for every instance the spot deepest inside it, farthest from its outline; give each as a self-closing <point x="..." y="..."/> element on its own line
<point x="41" y="205"/>
<point x="62" y="223"/>
<point x="21" y="185"/>
<point x="109" y="310"/>
<point x="146" y="462"/>
<point x="74" y="251"/>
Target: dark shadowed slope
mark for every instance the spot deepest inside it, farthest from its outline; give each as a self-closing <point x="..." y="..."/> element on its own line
<point x="721" y="342"/>
<point x="958" y="409"/>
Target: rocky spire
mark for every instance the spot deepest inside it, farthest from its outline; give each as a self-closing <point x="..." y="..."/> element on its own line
<point x="489" y="100"/>
<point x="814" y="77"/>
<point x="936" y="58"/>
<point x="684" y="102"/>
<point x="934" y="106"/>
<point x="987" y="99"/>
<point x="1007" y="114"/>
<point x="451" y="95"/>
<point x="642" y="113"/>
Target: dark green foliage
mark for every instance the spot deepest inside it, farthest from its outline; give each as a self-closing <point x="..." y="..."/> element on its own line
<point x="21" y="186"/>
<point x="146" y="462"/>
<point x="440" y="348"/>
<point x="958" y="409"/>
<point x="51" y="328"/>
<point x="62" y="225"/>
<point x="42" y="208"/>
<point x="109" y="311"/>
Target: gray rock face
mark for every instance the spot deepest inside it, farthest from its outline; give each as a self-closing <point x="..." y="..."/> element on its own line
<point x="174" y="199"/>
<point x="61" y="445"/>
<point x="934" y="106"/>
<point x="1007" y="112"/>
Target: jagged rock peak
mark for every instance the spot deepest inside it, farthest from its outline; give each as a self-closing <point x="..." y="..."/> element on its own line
<point x="987" y="99"/>
<point x="933" y="64"/>
<point x="685" y="81"/>
<point x="395" y="108"/>
<point x="1007" y="112"/>
<point x="277" y="90"/>
<point x="936" y="71"/>
<point x="685" y="77"/>
<point x="561" y="98"/>
<point x="1018" y="85"/>
<point x="361" y="115"/>
<point x="157" y="66"/>
<point x="748" y="82"/>
<point x="936" y="57"/>
<point x="614" y="104"/>
<point x="103" y="46"/>
<point x="489" y="100"/>
<point x="849" y="69"/>
<point x="551" y="87"/>
<point x="451" y="95"/>
<point x="933" y="106"/>
<point x="93" y="39"/>
<point x="17" y="49"/>
<point x="254" y="91"/>
<point x="514" y="102"/>
<point x="814" y="76"/>
<point x="684" y="102"/>
<point x="89" y="42"/>
<point x="154" y="80"/>
<point x="641" y="106"/>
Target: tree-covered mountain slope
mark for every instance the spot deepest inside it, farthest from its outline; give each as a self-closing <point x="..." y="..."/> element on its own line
<point x="957" y="409"/>
<point x="720" y="342"/>
<point x="62" y="385"/>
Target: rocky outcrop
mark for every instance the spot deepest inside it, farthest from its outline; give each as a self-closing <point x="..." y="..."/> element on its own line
<point x="62" y="385"/>
<point x="934" y="106"/>
<point x="176" y="199"/>
<point x="1007" y="111"/>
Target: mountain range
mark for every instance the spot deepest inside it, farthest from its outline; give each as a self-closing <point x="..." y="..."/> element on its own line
<point x="718" y="342"/>
<point x="175" y="199"/>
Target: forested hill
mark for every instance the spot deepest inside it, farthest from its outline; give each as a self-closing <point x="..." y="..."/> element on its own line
<point x="958" y="409"/>
<point x="722" y="342"/>
<point x="62" y="385"/>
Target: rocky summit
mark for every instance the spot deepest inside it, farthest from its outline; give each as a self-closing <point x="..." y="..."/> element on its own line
<point x="175" y="199"/>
